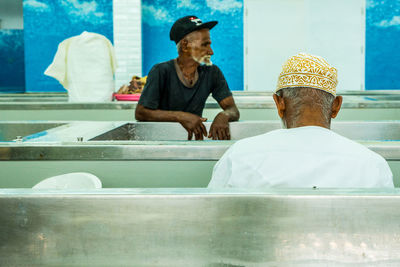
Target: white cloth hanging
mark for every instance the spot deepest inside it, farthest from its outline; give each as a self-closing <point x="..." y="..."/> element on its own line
<point x="85" y="66"/>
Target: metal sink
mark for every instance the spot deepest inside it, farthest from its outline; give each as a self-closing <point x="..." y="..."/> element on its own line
<point x="10" y="131"/>
<point x="164" y="131"/>
<point x="175" y="227"/>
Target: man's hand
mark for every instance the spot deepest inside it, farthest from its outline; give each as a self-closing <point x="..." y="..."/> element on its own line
<point x="193" y="125"/>
<point x="220" y="127"/>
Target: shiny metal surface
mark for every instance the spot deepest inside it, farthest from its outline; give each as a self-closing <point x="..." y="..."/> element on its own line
<point x="244" y="100"/>
<point x="53" y="131"/>
<point x="166" y="131"/>
<point x="253" y="103"/>
<point x="163" y="131"/>
<point x="34" y="97"/>
<point x="70" y="131"/>
<point x="150" y="150"/>
<point x="10" y="130"/>
<point x="26" y="97"/>
<point x="167" y="141"/>
<point x="199" y="228"/>
<point x="393" y="92"/>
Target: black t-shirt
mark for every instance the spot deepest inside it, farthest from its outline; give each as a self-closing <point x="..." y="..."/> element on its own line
<point x="164" y="90"/>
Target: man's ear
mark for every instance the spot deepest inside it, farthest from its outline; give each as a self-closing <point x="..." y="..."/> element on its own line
<point x="184" y="45"/>
<point x="337" y="103"/>
<point x="280" y="105"/>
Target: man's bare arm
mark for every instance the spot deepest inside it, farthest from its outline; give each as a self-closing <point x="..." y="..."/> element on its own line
<point x="191" y="122"/>
<point x="230" y="109"/>
<point x="220" y="127"/>
<point x="145" y="114"/>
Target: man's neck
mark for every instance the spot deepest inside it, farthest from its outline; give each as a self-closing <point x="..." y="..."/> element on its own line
<point x="187" y="65"/>
<point x="189" y="77"/>
<point x="308" y="118"/>
<point x="301" y="124"/>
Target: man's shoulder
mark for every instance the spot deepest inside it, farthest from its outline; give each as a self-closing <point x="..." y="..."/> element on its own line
<point x="256" y="142"/>
<point x="213" y="69"/>
<point x="352" y="147"/>
<point x="166" y="65"/>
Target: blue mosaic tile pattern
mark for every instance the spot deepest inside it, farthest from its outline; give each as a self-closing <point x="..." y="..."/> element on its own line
<point x="382" y="68"/>
<point x="227" y="37"/>
<point x="49" y="22"/>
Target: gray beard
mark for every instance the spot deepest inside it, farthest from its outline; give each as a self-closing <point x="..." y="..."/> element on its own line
<point x="202" y="61"/>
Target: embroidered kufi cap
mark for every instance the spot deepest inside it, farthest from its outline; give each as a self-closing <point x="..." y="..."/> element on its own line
<point x="304" y="70"/>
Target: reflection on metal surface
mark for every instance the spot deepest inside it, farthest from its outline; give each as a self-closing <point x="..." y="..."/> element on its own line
<point x="167" y="131"/>
<point x="164" y="131"/>
<point x="46" y="131"/>
<point x="127" y="228"/>
<point x="34" y="97"/>
<point x="150" y="150"/>
<point x="167" y="141"/>
<point x="244" y="100"/>
<point x="11" y="130"/>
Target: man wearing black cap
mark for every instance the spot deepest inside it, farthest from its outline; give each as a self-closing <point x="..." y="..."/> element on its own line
<point x="177" y="90"/>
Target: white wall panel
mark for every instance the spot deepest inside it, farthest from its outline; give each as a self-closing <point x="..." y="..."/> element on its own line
<point x="127" y="40"/>
<point x="11" y="14"/>
<point x="276" y="30"/>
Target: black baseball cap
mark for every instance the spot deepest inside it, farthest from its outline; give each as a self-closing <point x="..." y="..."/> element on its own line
<point x="186" y="25"/>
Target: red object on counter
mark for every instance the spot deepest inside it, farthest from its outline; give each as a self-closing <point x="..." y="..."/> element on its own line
<point x="127" y="97"/>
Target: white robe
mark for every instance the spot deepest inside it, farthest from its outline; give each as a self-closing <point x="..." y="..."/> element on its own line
<point x="300" y="157"/>
<point x="85" y="66"/>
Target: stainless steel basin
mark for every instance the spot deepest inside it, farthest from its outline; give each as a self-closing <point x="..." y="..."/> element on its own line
<point x="9" y="131"/>
<point x="162" y="131"/>
<point x="383" y="97"/>
<point x="199" y="228"/>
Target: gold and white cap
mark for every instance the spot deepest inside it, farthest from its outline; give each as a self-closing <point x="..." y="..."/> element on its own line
<point x="304" y="70"/>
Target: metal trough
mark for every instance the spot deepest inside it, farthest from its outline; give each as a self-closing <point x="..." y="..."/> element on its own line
<point x="55" y="131"/>
<point x="357" y="105"/>
<point x="119" y="162"/>
<point x="163" y="131"/>
<point x="383" y="97"/>
<point x="10" y="131"/>
<point x="199" y="228"/>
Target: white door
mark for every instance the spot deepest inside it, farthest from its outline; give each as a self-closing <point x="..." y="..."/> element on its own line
<point x="275" y="30"/>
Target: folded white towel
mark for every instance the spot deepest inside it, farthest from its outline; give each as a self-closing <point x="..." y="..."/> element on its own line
<point x="85" y="66"/>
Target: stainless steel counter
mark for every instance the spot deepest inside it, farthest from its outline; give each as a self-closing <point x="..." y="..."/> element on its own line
<point x="199" y="228"/>
<point x="167" y="141"/>
<point x="366" y="105"/>
<point x="249" y="103"/>
<point x="164" y="131"/>
<point x="11" y="130"/>
<point x="244" y="100"/>
<point x="72" y="131"/>
<point x="150" y="150"/>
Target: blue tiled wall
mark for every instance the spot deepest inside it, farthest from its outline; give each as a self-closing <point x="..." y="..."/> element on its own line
<point x="12" y="69"/>
<point x="49" y="22"/>
<point x="382" y="68"/>
<point x="227" y="37"/>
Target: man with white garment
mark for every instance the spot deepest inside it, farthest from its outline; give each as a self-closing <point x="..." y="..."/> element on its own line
<point x="307" y="153"/>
